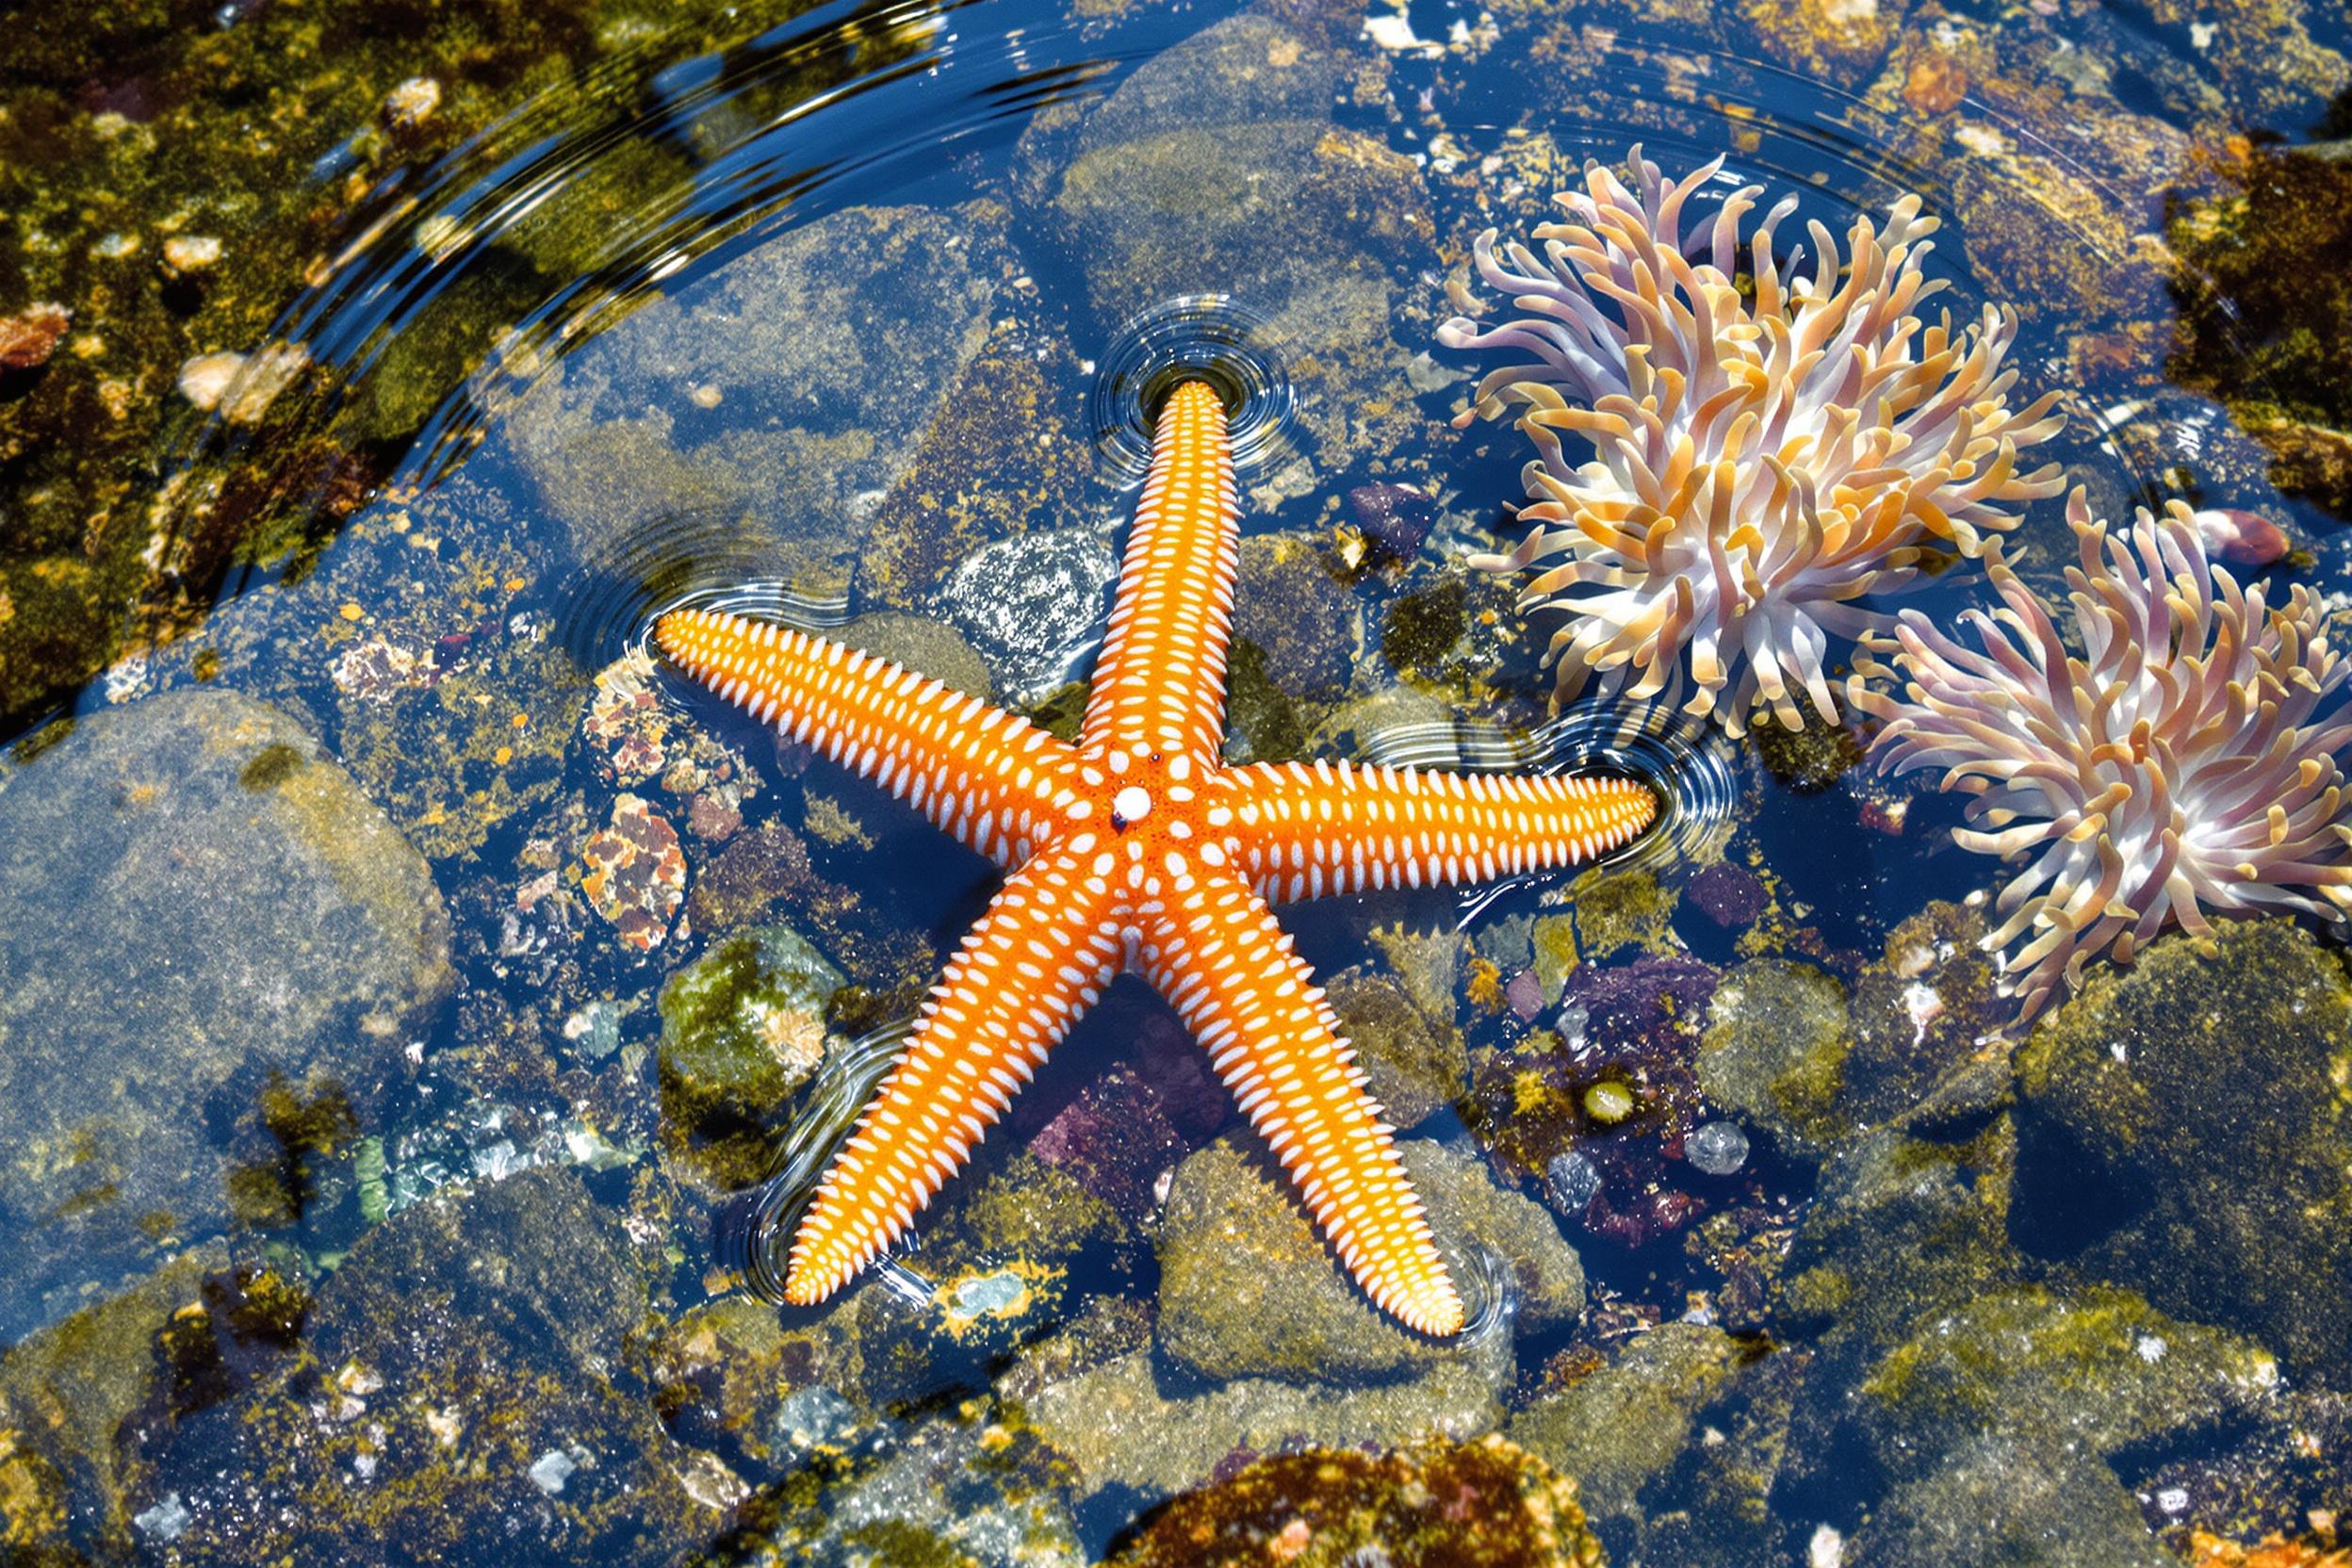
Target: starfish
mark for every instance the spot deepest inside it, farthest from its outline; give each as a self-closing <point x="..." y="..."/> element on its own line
<point x="1138" y="849"/>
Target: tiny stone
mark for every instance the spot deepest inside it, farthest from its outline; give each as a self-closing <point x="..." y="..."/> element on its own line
<point x="551" y="1470"/>
<point x="166" y="1519"/>
<point x="1717" y="1148"/>
<point x="1572" y="1180"/>
<point x="812" y="1416"/>
<point x="190" y="252"/>
<point x="411" y="104"/>
<point x="207" y="379"/>
<point x="1526" y="995"/>
<point x="705" y="395"/>
<point x="1608" y="1101"/>
<point x="1395" y="517"/>
<point x="28" y="337"/>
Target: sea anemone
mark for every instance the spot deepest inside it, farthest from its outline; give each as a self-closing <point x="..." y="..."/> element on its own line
<point x="2172" y="769"/>
<point x="1759" y="463"/>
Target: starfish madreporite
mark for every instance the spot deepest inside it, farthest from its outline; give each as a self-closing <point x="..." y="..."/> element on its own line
<point x="1137" y="848"/>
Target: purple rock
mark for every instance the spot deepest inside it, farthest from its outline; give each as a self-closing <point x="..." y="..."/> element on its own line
<point x="1728" y="896"/>
<point x="1526" y="995"/>
<point x="1395" y="517"/>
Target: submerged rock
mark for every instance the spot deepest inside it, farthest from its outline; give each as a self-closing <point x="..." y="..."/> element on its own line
<point x="2009" y="1499"/>
<point x="1612" y="1092"/>
<point x="1249" y="1290"/>
<point x="472" y="1371"/>
<point x="2185" y="1128"/>
<point x="1487" y="1504"/>
<point x="1217" y="166"/>
<point x="68" y="1392"/>
<point x="1775" y="1050"/>
<point x="1128" y="1432"/>
<point x="2095" y="1367"/>
<point x="751" y="413"/>
<point x="1004" y="454"/>
<point x="1416" y="1068"/>
<point x="197" y="907"/>
<point x="1030" y="604"/>
<point x="742" y="1028"/>
<point x="1301" y="622"/>
<point x="1617" y="1428"/>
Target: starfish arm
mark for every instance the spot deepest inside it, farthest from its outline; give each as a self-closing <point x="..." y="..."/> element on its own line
<point x="1159" y="684"/>
<point x="1219" y="958"/>
<point x="990" y="777"/>
<point x="1304" y="830"/>
<point x="1029" y="970"/>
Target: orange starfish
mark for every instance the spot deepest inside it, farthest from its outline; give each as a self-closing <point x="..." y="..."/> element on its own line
<point x="1137" y="848"/>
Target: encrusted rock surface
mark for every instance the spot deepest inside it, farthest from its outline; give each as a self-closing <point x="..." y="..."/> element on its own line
<point x="197" y="910"/>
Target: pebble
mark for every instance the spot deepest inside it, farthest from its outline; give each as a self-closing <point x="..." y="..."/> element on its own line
<point x="190" y="252"/>
<point x="1717" y="1148"/>
<point x="411" y="104"/>
<point x="1572" y="1180"/>
<point x="208" y="381"/>
<point x="551" y="1470"/>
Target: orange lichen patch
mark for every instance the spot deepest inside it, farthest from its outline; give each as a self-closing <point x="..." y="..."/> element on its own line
<point x="636" y="873"/>
<point x="28" y="337"/>
<point x="1486" y="1504"/>
<point x="1136" y="849"/>
<point x="1935" y="84"/>
<point x="2274" y="1551"/>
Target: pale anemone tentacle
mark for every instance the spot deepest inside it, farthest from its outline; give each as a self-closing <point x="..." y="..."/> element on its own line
<point x="1757" y="465"/>
<point x="2182" y="764"/>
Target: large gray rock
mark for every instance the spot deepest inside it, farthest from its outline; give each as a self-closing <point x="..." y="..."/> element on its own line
<point x="197" y="908"/>
<point x="1216" y="168"/>
<point x="755" y="418"/>
<point x="475" y="1370"/>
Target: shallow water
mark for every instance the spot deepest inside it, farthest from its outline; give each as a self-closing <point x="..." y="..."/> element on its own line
<point x="405" y="986"/>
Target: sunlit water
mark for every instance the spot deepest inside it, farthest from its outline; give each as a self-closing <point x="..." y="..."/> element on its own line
<point x="714" y="404"/>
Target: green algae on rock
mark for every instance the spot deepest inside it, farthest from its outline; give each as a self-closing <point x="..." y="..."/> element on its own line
<point x="1302" y="623"/>
<point x="2266" y="325"/>
<point x="68" y="1393"/>
<point x="742" y="1028"/>
<point x="1417" y="1066"/>
<point x="1216" y="166"/>
<point x="2095" y="1366"/>
<point x="2185" y="1128"/>
<point x="175" y="184"/>
<point x="1240" y="1296"/>
<point x="1408" y="1507"/>
<point x="476" y="1360"/>
<point x="1001" y="456"/>
<point x="1618" y="1427"/>
<point x="1775" y="1050"/>
<point x="194" y="902"/>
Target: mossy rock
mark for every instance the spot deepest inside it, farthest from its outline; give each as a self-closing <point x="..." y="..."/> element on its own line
<point x="1618" y="1427"/>
<point x="1248" y="1288"/>
<point x="742" y="1028"/>
<point x="2185" y="1129"/>
<point x="1417" y="1066"/>
<point x="476" y="1359"/>
<point x="2096" y="1363"/>
<point x="1775" y="1049"/>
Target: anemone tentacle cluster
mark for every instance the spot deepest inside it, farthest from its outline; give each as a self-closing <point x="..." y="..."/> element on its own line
<point x="1757" y="464"/>
<point x="2187" y="760"/>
